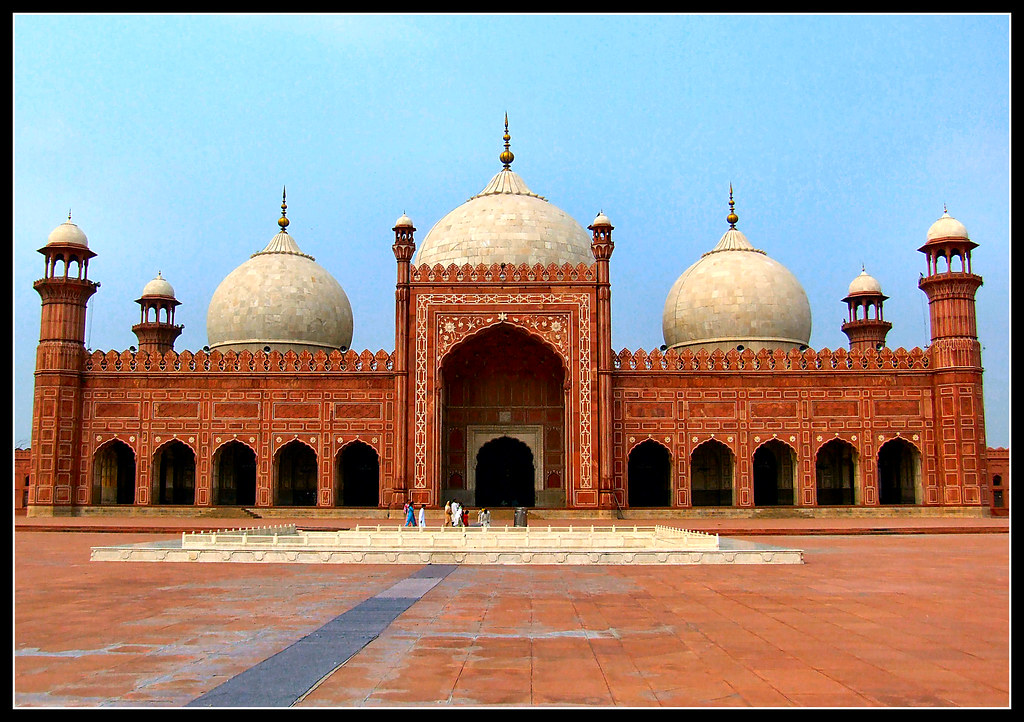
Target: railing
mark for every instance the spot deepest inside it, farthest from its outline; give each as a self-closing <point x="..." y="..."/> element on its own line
<point x="379" y="536"/>
<point x="505" y="272"/>
<point x="841" y="359"/>
<point x="241" y="361"/>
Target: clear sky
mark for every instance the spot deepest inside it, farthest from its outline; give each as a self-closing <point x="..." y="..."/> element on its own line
<point x="169" y="137"/>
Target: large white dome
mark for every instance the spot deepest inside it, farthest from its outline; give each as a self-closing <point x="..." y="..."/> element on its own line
<point x="280" y="298"/>
<point x="506" y="223"/>
<point x="735" y="295"/>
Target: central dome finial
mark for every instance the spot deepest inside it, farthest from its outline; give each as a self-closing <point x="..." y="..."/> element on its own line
<point x="283" y="220"/>
<point x="506" y="156"/>
<point x="732" y="218"/>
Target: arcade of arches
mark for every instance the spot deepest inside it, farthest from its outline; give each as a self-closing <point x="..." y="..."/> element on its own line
<point x="503" y="469"/>
<point x="233" y="475"/>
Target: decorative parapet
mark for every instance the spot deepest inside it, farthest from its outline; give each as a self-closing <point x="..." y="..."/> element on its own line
<point x="502" y="272"/>
<point x="239" y="362"/>
<point x="778" y="360"/>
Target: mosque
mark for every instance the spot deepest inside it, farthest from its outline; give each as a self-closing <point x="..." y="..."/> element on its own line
<point x="503" y="388"/>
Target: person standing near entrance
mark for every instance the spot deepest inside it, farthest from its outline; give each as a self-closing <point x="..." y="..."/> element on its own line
<point x="423" y="515"/>
<point x="456" y="513"/>
<point x="483" y="518"/>
<point x="447" y="513"/>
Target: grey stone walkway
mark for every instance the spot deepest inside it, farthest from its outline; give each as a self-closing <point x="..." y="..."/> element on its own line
<point x="285" y="678"/>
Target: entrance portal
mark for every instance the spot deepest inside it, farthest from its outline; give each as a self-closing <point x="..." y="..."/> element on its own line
<point x="502" y="382"/>
<point x="504" y="473"/>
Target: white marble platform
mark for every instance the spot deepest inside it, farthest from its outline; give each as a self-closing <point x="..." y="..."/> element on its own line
<point x="390" y="544"/>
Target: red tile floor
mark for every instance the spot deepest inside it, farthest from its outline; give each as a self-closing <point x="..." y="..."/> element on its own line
<point x="897" y="619"/>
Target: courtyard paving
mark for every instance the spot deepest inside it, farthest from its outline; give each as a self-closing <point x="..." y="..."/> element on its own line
<point x="909" y="615"/>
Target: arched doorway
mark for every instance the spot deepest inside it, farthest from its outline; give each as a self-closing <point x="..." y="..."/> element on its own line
<point x="835" y="468"/>
<point x="113" y="479"/>
<point x="234" y="475"/>
<point x="174" y="474"/>
<point x="295" y="475"/>
<point x="774" y="467"/>
<point x="899" y="473"/>
<point x="502" y="382"/>
<point x="505" y="474"/>
<point x="357" y="476"/>
<point x="711" y="475"/>
<point x="649" y="475"/>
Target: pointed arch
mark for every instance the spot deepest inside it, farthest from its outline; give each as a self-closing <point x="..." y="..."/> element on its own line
<point x="774" y="466"/>
<point x="233" y="471"/>
<point x="295" y="474"/>
<point x="712" y="468"/>
<point x="649" y="474"/>
<point x="899" y="473"/>
<point x="836" y="466"/>
<point x="174" y="473"/>
<point x="113" y="477"/>
<point x="357" y="475"/>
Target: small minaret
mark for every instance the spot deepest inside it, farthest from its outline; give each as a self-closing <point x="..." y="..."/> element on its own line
<point x="156" y="330"/>
<point x="65" y="290"/>
<point x="866" y="327"/>
<point x="950" y="286"/>
<point x="602" y="247"/>
<point x="404" y="247"/>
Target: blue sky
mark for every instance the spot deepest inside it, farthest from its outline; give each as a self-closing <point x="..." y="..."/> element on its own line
<point x="170" y="137"/>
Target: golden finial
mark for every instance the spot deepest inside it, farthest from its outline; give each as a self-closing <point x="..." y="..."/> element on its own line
<point x="283" y="220"/>
<point x="732" y="217"/>
<point x="69" y="215"/>
<point x="506" y="157"/>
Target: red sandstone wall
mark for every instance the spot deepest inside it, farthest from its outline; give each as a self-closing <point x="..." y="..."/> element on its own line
<point x="205" y="407"/>
<point x="802" y="408"/>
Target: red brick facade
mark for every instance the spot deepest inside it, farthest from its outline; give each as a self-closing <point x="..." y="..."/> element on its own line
<point x="521" y="353"/>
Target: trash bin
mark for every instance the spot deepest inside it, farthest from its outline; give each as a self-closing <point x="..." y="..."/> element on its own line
<point x="520" y="517"/>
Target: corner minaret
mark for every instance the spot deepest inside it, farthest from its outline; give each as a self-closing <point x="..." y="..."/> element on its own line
<point x="65" y="290"/>
<point x="950" y="285"/>
<point x="156" y="330"/>
<point x="955" y="360"/>
<point x="866" y="327"/>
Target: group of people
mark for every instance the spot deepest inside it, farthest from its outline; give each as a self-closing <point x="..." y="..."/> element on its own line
<point x="457" y="515"/>
<point x="454" y="515"/>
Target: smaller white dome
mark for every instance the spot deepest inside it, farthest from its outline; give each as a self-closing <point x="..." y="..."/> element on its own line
<point x="403" y="221"/>
<point x="158" y="287"/>
<point x="947" y="227"/>
<point x="601" y="220"/>
<point x="864" y="283"/>
<point x="67" y="233"/>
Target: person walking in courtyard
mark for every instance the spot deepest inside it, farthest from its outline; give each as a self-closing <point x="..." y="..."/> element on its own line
<point x="447" y="513"/>
<point x="465" y="517"/>
<point x="423" y="515"/>
<point x="483" y="518"/>
<point x="410" y="518"/>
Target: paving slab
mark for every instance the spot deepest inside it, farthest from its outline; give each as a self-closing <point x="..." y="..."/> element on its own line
<point x="892" y="620"/>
